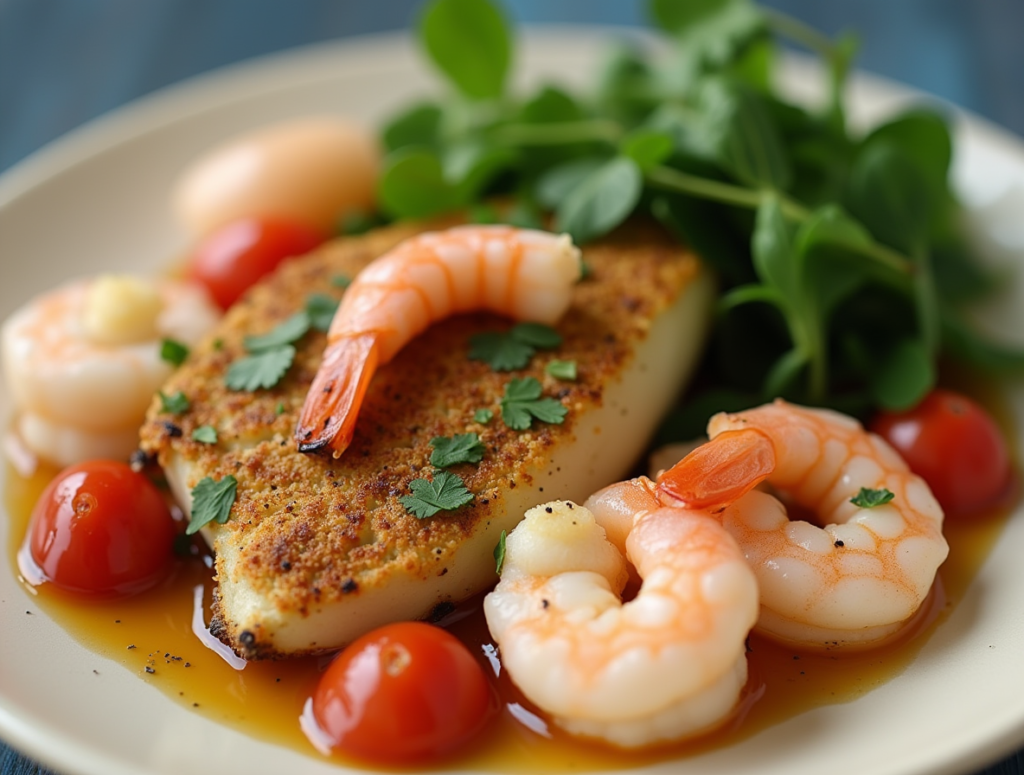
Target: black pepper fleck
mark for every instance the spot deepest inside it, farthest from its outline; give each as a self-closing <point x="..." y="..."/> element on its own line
<point x="839" y="543"/>
<point x="349" y="586"/>
<point x="150" y="670"/>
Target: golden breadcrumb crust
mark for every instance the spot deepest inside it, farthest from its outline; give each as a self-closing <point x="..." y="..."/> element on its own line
<point x="310" y="529"/>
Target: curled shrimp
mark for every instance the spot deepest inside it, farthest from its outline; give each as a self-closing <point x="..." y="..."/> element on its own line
<point x="82" y="387"/>
<point x="668" y="664"/>
<point x="521" y="273"/>
<point x="851" y="575"/>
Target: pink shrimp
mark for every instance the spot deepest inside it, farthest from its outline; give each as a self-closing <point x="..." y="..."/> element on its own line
<point x="860" y="576"/>
<point x="525" y="274"/>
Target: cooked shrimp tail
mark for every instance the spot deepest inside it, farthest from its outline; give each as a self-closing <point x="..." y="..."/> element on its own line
<point x="851" y="574"/>
<point x="719" y="474"/>
<point x="521" y="273"/>
<point x="341" y="383"/>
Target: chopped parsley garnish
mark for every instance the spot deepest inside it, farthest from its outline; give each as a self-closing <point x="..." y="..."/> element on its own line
<point x="341" y="281"/>
<point x="483" y="416"/>
<point x="499" y="553"/>
<point x="460" y="448"/>
<point x="279" y="409"/>
<point x="320" y="309"/>
<point x="176" y="403"/>
<point x="446" y="493"/>
<point x="512" y="349"/>
<point x="211" y="502"/>
<point x="522" y="403"/>
<point x="868" y="498"/>
<point x="564" y="370"/>
<point x="291" y="330"/>
<point x="205" y="434"/>
<point x="262" y="370"/>
<point x="173" y="351"/>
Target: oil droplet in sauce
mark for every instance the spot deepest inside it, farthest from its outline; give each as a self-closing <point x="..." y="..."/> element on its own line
<point x="153" y="635"/>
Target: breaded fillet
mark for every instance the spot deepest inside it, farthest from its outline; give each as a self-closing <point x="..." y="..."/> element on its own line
<point x="319" y="550"/>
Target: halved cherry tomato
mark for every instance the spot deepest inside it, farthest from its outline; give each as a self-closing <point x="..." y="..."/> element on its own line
<point x="955" y="446"/>
<point x="101" y="529"/>
<point x="405" y="692"/>
<point x="239" y="253"/>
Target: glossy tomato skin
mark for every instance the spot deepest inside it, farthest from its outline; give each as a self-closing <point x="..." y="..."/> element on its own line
<point x="955" y="446"/>
<point x="236" y="255"/>
<point x="406" y="692"/>
<point x="101" y="529"/>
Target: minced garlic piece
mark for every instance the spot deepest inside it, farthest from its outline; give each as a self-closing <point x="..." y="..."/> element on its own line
<point x="121" y="310"/>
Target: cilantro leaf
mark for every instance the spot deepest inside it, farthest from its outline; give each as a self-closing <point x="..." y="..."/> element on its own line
<point x="564" y="370"/>
<point x="446" y="493"/>
<point x="262" y="370"/>
<point x="483" y="416"/>
<point x="868" y="498"/>
<point x="173" y="351"/>
<point x="211" y="502"/>
<point x="536" y="335"/>
<point x="176" y="403"/>
<point x="499" y="553"/>
<point x="512" y="349"/>
<point x="460" y="448"/>
<point x="522" y="403"/>
<point x="321" y="308"/>
<point x="291" y="330"/>
<point x="205" y="434"/>
<point x="500" y="350"/>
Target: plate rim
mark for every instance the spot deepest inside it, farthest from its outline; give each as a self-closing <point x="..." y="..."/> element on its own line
<point x="193" y="96"/>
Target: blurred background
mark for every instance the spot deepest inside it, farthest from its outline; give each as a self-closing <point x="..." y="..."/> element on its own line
<point x="64" y="62"/>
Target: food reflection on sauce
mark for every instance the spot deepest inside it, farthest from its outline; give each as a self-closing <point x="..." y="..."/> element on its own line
<point x="154" y="636"/>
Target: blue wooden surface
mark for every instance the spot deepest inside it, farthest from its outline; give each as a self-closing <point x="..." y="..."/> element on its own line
<point x="63" y="62"/>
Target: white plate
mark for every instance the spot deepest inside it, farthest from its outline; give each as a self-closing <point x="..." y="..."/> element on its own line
<point x="97" y="200"/>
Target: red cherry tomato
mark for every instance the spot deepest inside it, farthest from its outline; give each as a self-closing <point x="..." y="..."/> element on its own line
<point x="239" y="253"/>
<point x="101" y="529"/>
<point x="405" y="692"/>
<point x="955" y="446"/>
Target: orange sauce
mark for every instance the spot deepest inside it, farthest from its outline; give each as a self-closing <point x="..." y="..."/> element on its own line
<point x="152" y="635"/>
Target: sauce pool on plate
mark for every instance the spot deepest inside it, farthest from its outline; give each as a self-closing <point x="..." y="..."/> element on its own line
<point x="159" y="636"/>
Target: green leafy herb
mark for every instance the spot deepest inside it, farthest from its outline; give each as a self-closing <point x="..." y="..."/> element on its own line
<point x="173" y="351"/>
<point x="868" y="498"/>
<point x="341" y="281"/>
<point x="842" y="258"/>
<point x="499" y="553"/>
<point x="285" y="333"/>
<point x="512" y="349"/>
<point x="262" y="370"/>
<point x="446" y="492"/>
<point x="469" y="41"/>
<point x="320" y="309"/>
<point x="564" y="370"/>
<point x="176" y="403"/>
<point x="205" y="434"/>
<point x="460" y="448"/>
<point x="211" y="502"/>
<point x="483" y="416"/>
<point x="522" y="403"/>
<point x="279" y="409"/>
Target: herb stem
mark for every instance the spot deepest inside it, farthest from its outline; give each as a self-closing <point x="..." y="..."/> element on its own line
<point x="801" y="33"/>
<point x="558" y="133"/>
<point x="717" y="191"/>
